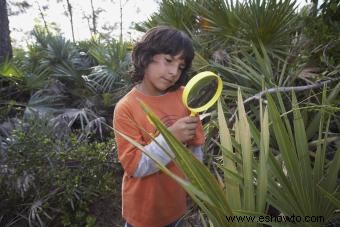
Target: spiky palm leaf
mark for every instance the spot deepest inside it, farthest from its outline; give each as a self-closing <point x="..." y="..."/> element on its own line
<point x="217" y="21"/>
<point x="111" y="73"/>
<point x="175" y="13"/>
<point x="55" y="101"/>
<point x="271" y="23"/>
<point x="238" y="25"/>
<point x="295" y="187"/>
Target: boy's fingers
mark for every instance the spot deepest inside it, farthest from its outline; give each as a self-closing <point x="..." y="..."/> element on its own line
<point x="190" y="124"/>
<point x="191" y="127"/>
<point x="191" y="119"/>
<point x="194" y="123"/>
<point x="189" y="134"/>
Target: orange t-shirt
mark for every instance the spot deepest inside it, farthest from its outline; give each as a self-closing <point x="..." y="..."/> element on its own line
<point x="154" y="200"/>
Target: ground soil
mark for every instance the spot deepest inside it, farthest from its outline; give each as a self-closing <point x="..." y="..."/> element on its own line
<point x="107" y="211"/>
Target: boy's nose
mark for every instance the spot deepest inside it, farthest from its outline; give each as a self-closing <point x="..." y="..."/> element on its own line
<point x="173" y="71"/>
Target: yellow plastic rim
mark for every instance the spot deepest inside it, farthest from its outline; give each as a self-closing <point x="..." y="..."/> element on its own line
<point x="192" y="82"/>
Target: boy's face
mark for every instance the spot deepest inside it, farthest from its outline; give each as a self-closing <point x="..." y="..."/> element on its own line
<point x="162" y="72"/>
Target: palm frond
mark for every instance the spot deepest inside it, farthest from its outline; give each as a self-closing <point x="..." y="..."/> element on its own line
<point x="175" y="13"/>
<point x="114" y="60"/>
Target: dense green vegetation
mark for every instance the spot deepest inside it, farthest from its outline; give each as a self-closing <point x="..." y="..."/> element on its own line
<point x="273" y="146"/>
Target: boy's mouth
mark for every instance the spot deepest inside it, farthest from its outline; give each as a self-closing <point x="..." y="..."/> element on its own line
<point x="168" y="81"/>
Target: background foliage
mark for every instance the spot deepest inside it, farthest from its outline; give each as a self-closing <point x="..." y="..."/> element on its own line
<point x="54" y="180"/>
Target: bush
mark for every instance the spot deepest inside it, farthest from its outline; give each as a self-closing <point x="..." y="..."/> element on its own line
<point x="47" y="181"/>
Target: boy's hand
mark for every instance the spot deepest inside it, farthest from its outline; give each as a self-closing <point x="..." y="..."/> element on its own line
<point x="184" y="129"/>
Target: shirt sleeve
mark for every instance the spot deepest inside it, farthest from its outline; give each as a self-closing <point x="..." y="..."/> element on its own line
<point x="128" y="154"/>
<point x="198" y="152"/>
<point x="146" y="165"/>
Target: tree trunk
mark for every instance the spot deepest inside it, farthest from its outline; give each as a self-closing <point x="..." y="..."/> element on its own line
<point x="5" y="40"/>
<point x="121" y="21"/>
<point x="94" y="19"/>
<point x="69" y="9"/>
<point x="121" y="6"/>
<point x="43" y="17"/>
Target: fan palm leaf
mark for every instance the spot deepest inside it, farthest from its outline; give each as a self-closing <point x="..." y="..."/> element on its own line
<point x="175" y="13"/>
<point x="233" y="25"/>
<point x="114" y="61"/>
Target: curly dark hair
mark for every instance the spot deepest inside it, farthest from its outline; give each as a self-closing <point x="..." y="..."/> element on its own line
<point x="162" y="40"/>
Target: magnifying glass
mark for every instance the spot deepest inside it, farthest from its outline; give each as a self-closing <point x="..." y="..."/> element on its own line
<point x="201" y="92"/>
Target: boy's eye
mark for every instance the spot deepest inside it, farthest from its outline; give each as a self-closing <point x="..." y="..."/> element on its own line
<point x="168" y="59"/>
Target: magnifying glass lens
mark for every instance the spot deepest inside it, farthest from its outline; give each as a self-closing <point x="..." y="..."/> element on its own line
<point x="202" y="92"/>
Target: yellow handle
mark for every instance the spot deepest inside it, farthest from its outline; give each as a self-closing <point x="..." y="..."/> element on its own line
<point x="193" y="114"/>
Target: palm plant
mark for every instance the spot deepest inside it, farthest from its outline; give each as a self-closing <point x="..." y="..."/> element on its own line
<point x="174" y="13"/>
<point x="297" y="180"/>
<point x="250" y="71"/>
<point x="64" y="91"/>
<point x="308" y="180"/>
<point x="79" y="80"/>
<point x="114" y="61"/>
<point x="76" y="85"/>
<point x="252" y="22"/>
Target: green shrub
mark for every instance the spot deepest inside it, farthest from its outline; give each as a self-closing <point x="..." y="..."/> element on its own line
<point x="47" y="181"/>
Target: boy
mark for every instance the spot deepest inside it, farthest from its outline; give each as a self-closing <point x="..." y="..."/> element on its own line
<point x="150" y="197"/>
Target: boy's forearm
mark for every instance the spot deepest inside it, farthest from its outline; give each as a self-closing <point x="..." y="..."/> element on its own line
<point x="147" y="166"/>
